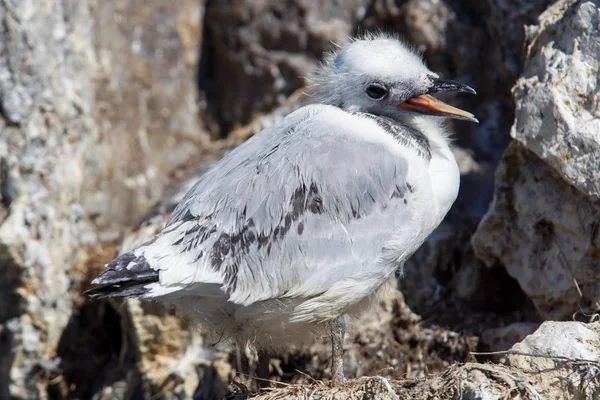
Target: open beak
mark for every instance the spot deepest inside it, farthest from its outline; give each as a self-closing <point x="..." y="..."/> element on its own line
<point x="426" y="104"/>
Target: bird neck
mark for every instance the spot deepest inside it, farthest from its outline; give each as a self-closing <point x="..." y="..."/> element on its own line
<point x="437" y="134"/>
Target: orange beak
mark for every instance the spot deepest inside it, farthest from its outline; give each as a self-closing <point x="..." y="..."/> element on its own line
<point x="428" y="105"/>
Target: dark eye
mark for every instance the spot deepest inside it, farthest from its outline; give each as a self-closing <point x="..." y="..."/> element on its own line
<point x="376" y="92"/>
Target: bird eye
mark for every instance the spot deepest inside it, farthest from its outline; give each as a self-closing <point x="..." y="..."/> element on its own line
<point x="376" y="92"/>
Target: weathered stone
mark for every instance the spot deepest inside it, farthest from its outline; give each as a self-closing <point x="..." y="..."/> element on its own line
<point x="558" y="96"/>
<point x="555" y="343"/>
<point x="557" y="346"/>
<point x="45" y="122"/>
<point x="542" y="231"/>
<point x="539" y="227"/>
<point x="259" y="64"/>
<point x="96" y="112"/>
<point x="146" y="106"/>
<point x="499" y="339"/>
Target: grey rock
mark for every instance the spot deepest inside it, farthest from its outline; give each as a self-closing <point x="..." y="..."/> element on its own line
<point x="45" y="120"/>
<point x="146" y="106"/>
<point x="96" y="114"/>
<point x="556" y="342"/>
<point x="255" y="67"/>
<point x="500" y="339"/>
<point x="542" y="230"/>
<point x="543" y="224"/>
<point x="557" y="346"/>
<point x="558" y="96"/>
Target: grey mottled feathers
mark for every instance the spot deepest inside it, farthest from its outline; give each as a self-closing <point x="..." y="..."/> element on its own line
<point x="291" y="212"/>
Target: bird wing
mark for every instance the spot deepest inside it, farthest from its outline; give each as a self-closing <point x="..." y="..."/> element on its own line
<point x="292" y="212"/>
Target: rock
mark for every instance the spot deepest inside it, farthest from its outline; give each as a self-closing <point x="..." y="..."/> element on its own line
<point x="557" y="346"/>
<point x="543" y="224"/>
<point x="541" y="229"/>
<point x="96" y="114"/>
<point x="146" y="106"/>
<point x="427" y="274"/>
<point x="555" y="342"/>
<point x="46" y="119"/>
<point x="257" y="66"/>
<point x="500" y="339"/>
<point x="558" y="96"/>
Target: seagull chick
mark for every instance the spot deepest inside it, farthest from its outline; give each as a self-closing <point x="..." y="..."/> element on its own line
<point x="306" y="221"/>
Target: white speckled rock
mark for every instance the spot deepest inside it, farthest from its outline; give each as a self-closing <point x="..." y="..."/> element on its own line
<point x="543" y="225"/>
<point x="544" y="232"/>
<point x="563" y="340"/>
<point x="45" y="121"/>
<point x="555" y="345"/>
<point x="95" y="114"/>
<point x="558" y="96"/>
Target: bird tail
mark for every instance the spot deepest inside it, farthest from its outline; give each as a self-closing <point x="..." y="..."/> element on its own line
<point x="126" y="276"/>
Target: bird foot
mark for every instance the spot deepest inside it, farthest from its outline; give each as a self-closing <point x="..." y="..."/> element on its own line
<point x="337" y="379"/>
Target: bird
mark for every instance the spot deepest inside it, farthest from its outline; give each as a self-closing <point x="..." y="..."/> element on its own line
<point x="302" y="225"/>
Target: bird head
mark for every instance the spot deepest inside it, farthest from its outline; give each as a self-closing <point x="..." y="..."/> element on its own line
<point x="380" y="75"/>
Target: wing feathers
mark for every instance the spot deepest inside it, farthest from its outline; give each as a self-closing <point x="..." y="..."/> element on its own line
<point x="290" y="212"/>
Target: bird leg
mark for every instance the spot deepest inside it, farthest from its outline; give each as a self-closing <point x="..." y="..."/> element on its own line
<point x="337" y="330"/>
<point x="262" y="370"/>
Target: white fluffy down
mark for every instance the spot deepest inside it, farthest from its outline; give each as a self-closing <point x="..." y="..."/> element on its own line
<point x="380" y="198"/>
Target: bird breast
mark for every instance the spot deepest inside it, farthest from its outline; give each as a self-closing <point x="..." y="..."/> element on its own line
<point x="445" y="180"/>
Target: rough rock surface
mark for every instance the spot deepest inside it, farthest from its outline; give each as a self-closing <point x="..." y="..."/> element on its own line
<point x="46" y="120"/>
<point x="92" y="125"/>
<point x="558" y="96"/>
<point x="99" y="115"/>
<point x="258" y="65"/>
<point x="543" y="224"/>
<point x="557" y="341"/>
<point x="146" y="106"/>
<point x="557" y="346"/>
<point x="542" y="230"/>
